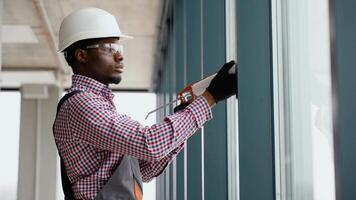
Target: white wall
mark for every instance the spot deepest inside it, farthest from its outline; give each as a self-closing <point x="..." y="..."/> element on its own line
<point x="9" y="143"/>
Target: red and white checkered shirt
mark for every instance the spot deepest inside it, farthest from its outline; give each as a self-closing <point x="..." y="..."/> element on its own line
<point x="92" y="137"/>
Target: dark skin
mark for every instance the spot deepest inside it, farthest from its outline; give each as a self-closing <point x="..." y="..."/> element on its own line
<point x="101" y="66"/>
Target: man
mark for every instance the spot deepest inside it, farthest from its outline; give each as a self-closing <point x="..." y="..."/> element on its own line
<point x="106" y="155"/>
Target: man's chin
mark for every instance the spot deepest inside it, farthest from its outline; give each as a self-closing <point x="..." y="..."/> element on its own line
<point x="115" y="80"/>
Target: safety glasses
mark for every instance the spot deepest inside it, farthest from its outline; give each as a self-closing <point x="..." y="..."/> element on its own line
<point x="111" y="48"/>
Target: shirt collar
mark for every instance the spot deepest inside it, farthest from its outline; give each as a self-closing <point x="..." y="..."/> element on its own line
<point x="85" y="83"/>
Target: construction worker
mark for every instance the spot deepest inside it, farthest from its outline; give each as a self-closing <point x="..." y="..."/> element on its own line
<point x="106" y="155"/>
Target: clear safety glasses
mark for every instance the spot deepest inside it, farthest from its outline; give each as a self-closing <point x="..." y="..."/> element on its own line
<point x="111" y="48"/>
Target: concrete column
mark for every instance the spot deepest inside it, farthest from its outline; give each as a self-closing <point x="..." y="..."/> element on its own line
<point x="38" y="162"/>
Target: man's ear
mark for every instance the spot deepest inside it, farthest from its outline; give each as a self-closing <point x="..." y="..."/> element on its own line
<point x="81" y="55"/>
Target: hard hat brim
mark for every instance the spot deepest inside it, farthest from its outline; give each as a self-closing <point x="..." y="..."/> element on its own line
<point x="122" y="37"/>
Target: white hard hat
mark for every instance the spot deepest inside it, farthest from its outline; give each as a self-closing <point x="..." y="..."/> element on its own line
<point x="88" y="23"/>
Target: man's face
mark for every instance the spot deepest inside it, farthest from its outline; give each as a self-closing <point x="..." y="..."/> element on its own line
<point x="103" y="64"/>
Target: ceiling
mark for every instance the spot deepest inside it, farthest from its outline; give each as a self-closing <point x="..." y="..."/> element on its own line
<point x="30" y="37"/>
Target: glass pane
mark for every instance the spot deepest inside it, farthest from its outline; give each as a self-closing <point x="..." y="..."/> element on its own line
<point x="304" y="92"/>
<point x="9" y="143"/>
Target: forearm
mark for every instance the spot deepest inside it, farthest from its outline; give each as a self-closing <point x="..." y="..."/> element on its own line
<point x="209" y="98"/>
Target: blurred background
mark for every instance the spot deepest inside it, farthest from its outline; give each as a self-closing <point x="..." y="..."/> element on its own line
<point x="288" y="136"/>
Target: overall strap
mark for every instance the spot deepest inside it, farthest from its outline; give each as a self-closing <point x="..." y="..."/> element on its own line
<point x="65" y="97"/>
<point x="66" y="185"/>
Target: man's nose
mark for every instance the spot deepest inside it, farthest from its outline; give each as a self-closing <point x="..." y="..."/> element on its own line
<point x="118" y="57"/>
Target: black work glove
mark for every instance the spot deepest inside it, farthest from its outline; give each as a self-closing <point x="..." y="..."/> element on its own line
<point x="223" y="85"/>
<point x="180" y="107"/>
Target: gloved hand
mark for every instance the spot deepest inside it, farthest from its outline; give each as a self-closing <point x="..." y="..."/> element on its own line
<point x="180" y="107"/>
<point x="223" y="85"/>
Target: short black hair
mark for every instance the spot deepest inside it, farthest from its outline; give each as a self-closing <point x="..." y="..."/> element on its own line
<point x="69" y="52"/>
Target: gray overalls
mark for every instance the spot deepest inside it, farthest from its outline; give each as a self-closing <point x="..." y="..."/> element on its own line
<point x="124" y="184"/>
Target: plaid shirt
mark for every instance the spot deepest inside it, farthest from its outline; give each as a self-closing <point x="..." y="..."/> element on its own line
<point x="92" y="137"/>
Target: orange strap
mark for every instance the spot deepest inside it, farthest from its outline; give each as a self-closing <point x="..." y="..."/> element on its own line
<point x="137" y="190"/>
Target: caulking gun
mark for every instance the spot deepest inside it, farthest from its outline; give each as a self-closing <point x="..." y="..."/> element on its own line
<point x="192" y="91"/>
